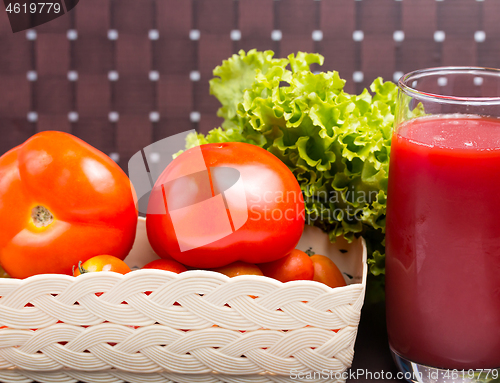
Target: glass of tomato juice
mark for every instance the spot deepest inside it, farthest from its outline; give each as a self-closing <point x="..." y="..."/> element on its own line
<point x="443" y="226"/>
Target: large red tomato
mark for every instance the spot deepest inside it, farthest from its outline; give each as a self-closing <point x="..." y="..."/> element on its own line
<point x="225" y="202"/>
<point x="61" y="202"/>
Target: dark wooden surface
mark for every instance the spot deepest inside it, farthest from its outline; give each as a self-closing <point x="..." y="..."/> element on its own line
<point x="372" y="353"/>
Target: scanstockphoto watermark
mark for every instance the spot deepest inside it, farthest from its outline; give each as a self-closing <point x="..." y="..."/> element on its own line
<point x="264" y="206"/>
<point x="258" y="213"/>
<point x="354" y="374"/>
<point x="328" y="197"/>
<point x="349" y="195"/>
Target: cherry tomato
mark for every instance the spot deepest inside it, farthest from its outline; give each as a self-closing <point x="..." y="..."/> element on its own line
<point x="239" y="268"/>
<point x="102" y="263"/>
<point x="166" y="264"/>
<point x="225" y="202"/>
<point x="295" y="266"/>
<point x="326" y="271"/>
<point x="62" y="201"/>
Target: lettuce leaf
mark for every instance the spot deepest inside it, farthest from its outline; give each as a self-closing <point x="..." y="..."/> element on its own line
<point x="336" y="144"/>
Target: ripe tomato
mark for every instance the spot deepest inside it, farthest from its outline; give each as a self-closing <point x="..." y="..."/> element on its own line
<point x="102" y="263"/>
<point x="239" y="268"/>
<point x="225" y="202"/>
<point x="3" y="274"/>
<point x="62" y="201"/>
<point x="326" y="271"/>
<point x="295" y="266"/>
<point x="166" y="264"/>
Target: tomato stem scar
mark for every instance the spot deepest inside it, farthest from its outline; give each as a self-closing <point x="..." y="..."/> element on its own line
<point x="81" y="269"/>
<point x="41" y="216"/>
<point x="310" y="252"/>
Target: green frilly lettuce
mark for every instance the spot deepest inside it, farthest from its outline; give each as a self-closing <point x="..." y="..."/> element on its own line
<point x="336" y="144"/>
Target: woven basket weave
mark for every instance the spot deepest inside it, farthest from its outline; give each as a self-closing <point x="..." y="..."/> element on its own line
<point x="197" y="326"/>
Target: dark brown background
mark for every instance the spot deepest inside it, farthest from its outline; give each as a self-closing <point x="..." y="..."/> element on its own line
<point x="174" y="96"/>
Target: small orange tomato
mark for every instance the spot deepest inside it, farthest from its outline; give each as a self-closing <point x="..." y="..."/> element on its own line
<point x="239" y="268"/>
<point x="295" y="266"/>
<point x="166" y="264"/>
<point x="326" y="271"/>
<point x="102" y="263"/>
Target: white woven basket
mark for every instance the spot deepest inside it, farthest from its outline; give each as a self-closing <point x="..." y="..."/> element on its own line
<point x="197" y="326"/>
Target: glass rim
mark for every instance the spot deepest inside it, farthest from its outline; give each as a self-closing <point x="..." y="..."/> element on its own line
<point x="403" y="84"/>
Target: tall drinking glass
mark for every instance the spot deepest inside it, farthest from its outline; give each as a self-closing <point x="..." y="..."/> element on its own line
<point x="443" y="226"/>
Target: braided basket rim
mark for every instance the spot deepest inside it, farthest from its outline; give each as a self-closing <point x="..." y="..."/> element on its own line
<point x="317" y="337"/>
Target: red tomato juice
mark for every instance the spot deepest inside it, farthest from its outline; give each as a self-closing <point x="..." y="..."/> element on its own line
<point x="443" y="242"/>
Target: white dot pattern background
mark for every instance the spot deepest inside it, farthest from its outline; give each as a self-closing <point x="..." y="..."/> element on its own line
<point x="121" y="74"/>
